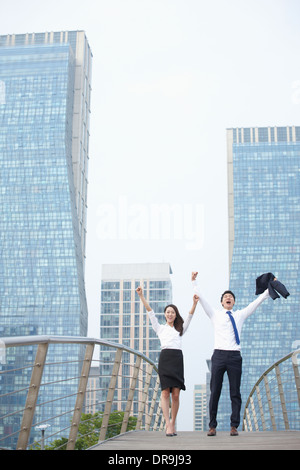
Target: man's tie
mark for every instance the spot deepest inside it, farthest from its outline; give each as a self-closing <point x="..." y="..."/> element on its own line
<point x="234" y="327"/>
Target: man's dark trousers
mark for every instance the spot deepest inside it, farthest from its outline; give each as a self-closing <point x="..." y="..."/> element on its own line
<point x="231" y="362"/>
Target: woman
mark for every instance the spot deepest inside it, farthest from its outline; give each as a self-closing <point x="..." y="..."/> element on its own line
<point x="170" y="366"/>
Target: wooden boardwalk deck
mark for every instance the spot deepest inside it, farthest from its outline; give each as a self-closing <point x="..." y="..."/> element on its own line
<point x="196" y="440"/>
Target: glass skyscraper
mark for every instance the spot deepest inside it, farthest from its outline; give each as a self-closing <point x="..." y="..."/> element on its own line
<point x="200" y="407"/>
<point x="123" y="318"/>
<point x="44" y="151"/>
<point x="264" y="236"/>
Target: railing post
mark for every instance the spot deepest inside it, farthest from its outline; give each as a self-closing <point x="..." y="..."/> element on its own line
<point x="80" y="396"/>
<point x="254" y="413"/>
<point x="296" y="374"/>
<point x="32" y="396"/>
<point x="271" y="409"/>
<point x="282" y="398"/>
<point x="151" y="410"/>
<point x="248" y="423"/>
<point x="158" y="413"/>
<point x="144" y="397"/>
<point x="110" y="394"/>
<point x="131" y="393"/>
<point x="261" y="410"/>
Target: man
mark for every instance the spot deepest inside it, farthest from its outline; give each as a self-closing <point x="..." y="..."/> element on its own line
<point x="227" y="356"/>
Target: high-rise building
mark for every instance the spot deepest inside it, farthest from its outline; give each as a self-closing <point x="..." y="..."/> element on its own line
<point x="45" y="86"/>
<point x="124" y="320"/>
<point x="200" y="400"/>
<point x="264" y="236"/>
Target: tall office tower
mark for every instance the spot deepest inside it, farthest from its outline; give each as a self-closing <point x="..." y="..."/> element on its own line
<point x="264" y="236"/>
<point x="44" y="150"/>
<point x="200" y="398"/>
<point x="124" y="320"/>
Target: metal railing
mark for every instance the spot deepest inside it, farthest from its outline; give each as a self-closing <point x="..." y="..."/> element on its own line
<point x="274" y="401"/>
<point x="141" y="375"/>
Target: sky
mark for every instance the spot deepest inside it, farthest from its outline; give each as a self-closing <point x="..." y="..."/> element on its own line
<point x="169" y="77"/>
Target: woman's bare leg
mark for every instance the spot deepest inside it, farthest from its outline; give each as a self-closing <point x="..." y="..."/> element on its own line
<point x="165" y="405"/>
<point x="174" y="407"/>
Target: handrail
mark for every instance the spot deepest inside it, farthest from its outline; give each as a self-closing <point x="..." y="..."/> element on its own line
<point x="266" y="405"/>
<point x="139" y="389"/>
<point x="12" y="341"/>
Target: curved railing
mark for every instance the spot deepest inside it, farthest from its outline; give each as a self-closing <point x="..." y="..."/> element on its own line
<point x="274" y="401"/>
<point x="140" y="373"/>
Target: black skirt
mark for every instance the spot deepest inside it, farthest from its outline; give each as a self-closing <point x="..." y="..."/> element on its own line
<point x="170" y="369"/>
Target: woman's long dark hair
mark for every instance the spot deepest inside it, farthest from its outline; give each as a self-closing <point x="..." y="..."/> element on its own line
<point x="178" y="322"/>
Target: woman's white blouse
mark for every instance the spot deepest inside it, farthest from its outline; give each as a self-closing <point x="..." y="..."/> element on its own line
<point x="168" y="335"/>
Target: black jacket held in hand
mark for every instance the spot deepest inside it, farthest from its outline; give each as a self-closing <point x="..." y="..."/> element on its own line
<point x="267" y="281"/>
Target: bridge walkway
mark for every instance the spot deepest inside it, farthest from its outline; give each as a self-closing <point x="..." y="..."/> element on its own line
<point x="197" y="440"/>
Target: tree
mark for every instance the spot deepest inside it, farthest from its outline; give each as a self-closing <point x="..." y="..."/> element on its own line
<point x="89" y="430"/>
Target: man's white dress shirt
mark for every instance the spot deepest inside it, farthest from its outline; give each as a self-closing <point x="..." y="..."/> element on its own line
<point x="224" y="337"/>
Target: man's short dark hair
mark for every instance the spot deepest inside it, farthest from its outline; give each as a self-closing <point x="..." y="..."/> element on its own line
<point x="227" y="292"/>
